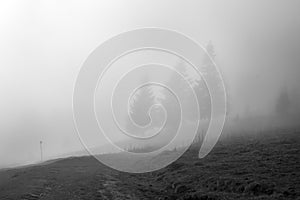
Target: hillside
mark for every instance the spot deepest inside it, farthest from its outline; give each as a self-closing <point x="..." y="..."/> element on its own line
<point x="266" y="166"/>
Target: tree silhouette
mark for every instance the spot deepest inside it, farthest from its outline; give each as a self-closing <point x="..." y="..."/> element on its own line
<point x="210" y="50"/>
<point x="198" y="85"/>
<point x="140" y="104"/>
<point x="170" y="102"/>
<point x="283" y="103"/>
<point x="201" y="89"/>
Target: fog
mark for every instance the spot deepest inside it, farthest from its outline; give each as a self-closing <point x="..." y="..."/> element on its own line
<point x="44" y="44"/>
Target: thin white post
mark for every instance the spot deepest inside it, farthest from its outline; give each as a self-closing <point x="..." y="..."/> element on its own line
<point x="41" y="147"/>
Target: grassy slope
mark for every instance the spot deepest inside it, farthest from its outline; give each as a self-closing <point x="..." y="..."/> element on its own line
<point x="261" y="167"/>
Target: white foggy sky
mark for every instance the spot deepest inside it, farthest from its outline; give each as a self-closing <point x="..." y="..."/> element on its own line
<point x="44" y="43"/>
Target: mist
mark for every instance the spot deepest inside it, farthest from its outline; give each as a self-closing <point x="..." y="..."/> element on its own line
<point x="44" y="44"/>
